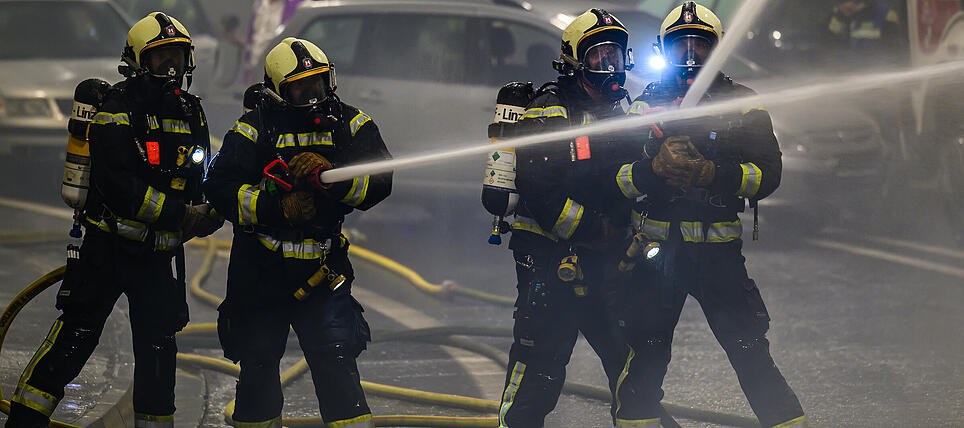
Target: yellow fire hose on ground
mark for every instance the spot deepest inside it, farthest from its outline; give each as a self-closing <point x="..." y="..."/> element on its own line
<point x="18" y="302"/>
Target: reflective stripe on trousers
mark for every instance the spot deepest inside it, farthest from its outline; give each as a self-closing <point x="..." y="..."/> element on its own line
<point x="142" y="420"/>
<point x="515" y="379"/>
<point x="363" y="421"/>
<point x="692" y="231"/>
<point x="271" y="423"/>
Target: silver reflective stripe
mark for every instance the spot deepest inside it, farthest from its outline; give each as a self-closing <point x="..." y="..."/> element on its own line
<point x="315" y="139"/>
<point x="752" y="178"/>
<point x="796" y="422"/>
<point x="286" y="140"/>
<point x="272" y="423"/>
<point x="151" y="207"/>
<point x="175" y="126"/>
<point x="588" y="118"/>
<point x="568" y="219"/>
<point x="551" y="111"/>
<point x="151" y="421"/>
<point x="35" y="399"/>
<point x="131" y="230"/>
<point x="269" y="242"/>
<point x="363" y="421"/>
<point x="625" y="181"/>
<point x="248" y="204"/>
<point x="725" y="231"/>
<point x="246" y="130"/>
<point x="356" y="122"/>
<point x="359" y="190"/>
<point x="638" y="108"/>
<point x="654" y="229"/>
<point x="692" y="231"/>
<point x="166" y="241"/>
<point x="515" y="379"/>
<point x="104" y="118"/>
<point x="307" y="249"/>
<point x="530" y="225"/>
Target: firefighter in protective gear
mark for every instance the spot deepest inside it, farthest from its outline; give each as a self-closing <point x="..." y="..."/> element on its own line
<point x="149" y="143"/>
<point x="283" y="237"/>
<point x="561" y="214"/>
<point x="697" y="175"/>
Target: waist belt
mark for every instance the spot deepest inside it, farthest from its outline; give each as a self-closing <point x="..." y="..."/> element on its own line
<point x="140" y="232"/>
<point x="692" y="231"/>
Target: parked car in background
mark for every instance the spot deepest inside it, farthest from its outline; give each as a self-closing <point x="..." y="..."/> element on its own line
<point x="48" y="47"/>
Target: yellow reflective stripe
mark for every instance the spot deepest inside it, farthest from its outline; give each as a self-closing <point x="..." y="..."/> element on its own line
<point x="866" y="31"/>
<point x="588" y="118"/>
<point x="44" y="348"/>
<point x="166" y="241"/>
<point x="34" y="398"/>
<point x="751" y="180"/>
<point x="269" y="242"/>
<point x="753" y="109"/>
<point x="622" y="377"/>
<point x="692" y="231"/>
<point x="304" y="139"/>
<point x="152" y="205"/>
<point x="638" y="108"/>
<point x="142" y="420"/>
<point x="175" y="126"/>
<point x="568" y="219"/>
<point x="551" y="111"/>
<point x="624" y="179"/>
<point x="530" y="225"/>
<point x="247" y="130"/>
<point x="792" y="422"/>
<point x="360" y="421"/>
<point x="515" y="379"/>
<point x="654" y="229"/>
<point x="724" y="231"/>
<point x="104" y="118"/>
<point x="248" y="204"/>
<point x="654" y="422"/>
<point x="356" y="122"/>
<point x="359" y="190"/>
<point x="128" y="229"/>
<point x="271" y="423"/>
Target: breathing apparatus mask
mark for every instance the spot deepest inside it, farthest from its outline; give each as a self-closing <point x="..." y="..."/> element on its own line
<point x="686" y="56"/>
<point x="605" y="69"/>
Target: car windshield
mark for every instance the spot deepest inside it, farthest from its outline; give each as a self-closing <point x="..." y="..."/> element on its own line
<point x="32" y="30"/>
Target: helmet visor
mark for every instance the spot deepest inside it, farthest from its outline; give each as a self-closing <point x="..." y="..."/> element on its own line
<point x="169" y="60"/>
<point x="605" y="57"/>
<point x="306" y="91"/>
<point x="688" y="51"/>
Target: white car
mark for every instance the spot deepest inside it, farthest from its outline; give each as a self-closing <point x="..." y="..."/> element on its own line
<point x="49" y="46"/>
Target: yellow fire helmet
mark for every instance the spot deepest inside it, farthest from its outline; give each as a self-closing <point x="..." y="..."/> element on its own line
<point x="294" y="59"/>
<point x="595" y="27"/>
<point x="155" y="30"/>
<point x="688" y="30"/>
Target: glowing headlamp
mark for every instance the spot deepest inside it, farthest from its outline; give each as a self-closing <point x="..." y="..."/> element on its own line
<point x="197" y="156"/>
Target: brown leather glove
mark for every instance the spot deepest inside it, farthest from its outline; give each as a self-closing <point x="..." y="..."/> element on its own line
<point x="305" y="162"/>
<point x="681" y="164"/>
<point x="298" y="207"/>
<point x="199" y="220"/>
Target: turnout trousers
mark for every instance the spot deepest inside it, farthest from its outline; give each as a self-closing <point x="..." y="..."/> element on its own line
<point x="549" y="316"/>
<point x="715" y="274"/>
<point x="108" y="267"/>
<point x="254" y="322"/>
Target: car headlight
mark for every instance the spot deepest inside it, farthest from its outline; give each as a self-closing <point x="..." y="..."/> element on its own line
<point x="25" y="107"/>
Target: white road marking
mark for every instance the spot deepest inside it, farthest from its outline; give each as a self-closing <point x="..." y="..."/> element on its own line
<point x="891" y="257"/>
